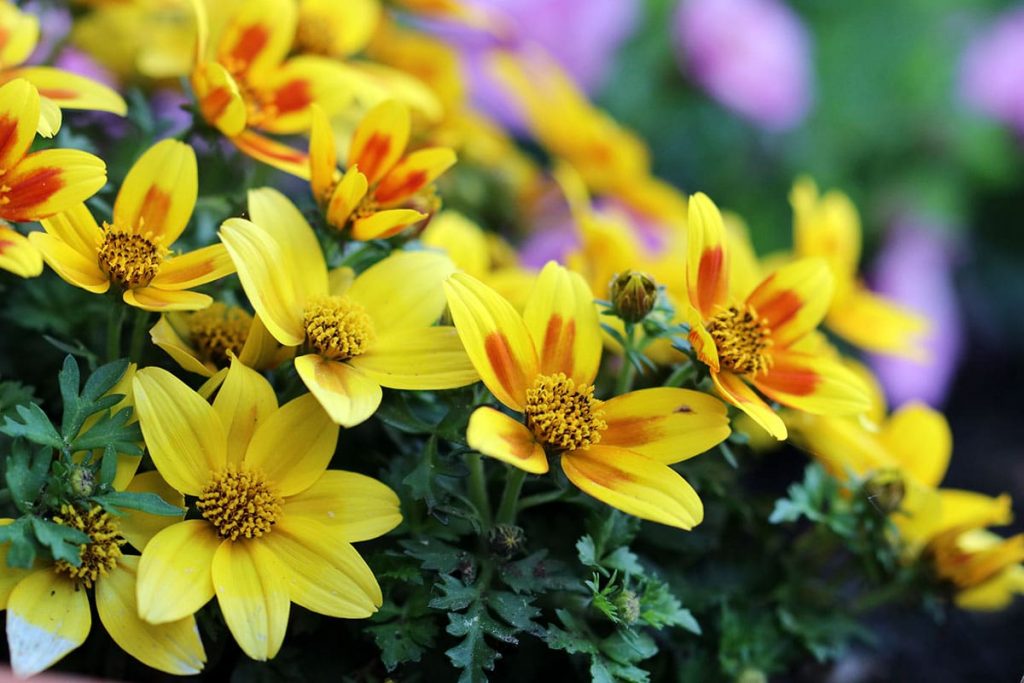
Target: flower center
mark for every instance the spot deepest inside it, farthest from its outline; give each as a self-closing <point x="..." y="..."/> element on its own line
<point x="100" y="554"/>
<point x="315" y="34"/>
<point x="218" y="331"/>
<point x="742" y="339"/>
<point x="337" y="328"/>
<point x="239" y="502"/>
<point x="563" y="415"/>
<point x="129" y="259"/>
<point x="367" y="206"/>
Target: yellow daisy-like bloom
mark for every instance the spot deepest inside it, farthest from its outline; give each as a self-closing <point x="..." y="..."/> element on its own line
<point x="132" y="251"/>
<point x="19" y="35"/>
<point x="356" y="335"/>
<point x="48" y="613"/>
<point x="275" y="526"/>
<point x="542" y="364"/>
<point x="759" y="338"/>
<point x="331" y="29"/>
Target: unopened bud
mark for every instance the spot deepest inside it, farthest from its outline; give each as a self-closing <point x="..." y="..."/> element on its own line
<point x="82" y="481"/>
<point x="633" y="295"/>
<point x="886" y="489"/>
<point x="627" y="603"/>
<point x="506" y="540"/>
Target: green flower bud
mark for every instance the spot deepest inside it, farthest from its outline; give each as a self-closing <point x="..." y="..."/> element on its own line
<point x="886" y="490"/>
<point x="506" y="540"/>
<point x="82" y="481"/>
<point x="627" y="603"/>
<point x="633" y="295"/>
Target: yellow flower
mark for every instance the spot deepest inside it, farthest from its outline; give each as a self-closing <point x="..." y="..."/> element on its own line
<point x="383" y="188"/>
<point x="59" y="89"/>
<point x="757" y="338"/>
<point x="542" y="364"/>
<point x="332" y="29"/>
<point x="357" y="335"/>
<point x="152" y="209"/>
<point x="274" y="525"/>
<point x="17" y="255"/>
<point x="828" y="227"/>
<point x="48" y="612"/>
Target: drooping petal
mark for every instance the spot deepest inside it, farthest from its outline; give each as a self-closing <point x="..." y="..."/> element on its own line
<point x="920" y="439"/>
<point x="346" y="197"/>
<point x="413" y="173"/>
<point x="427" y="358"/>
<point x="876" y="324"/>
<point x="794" y="299"/>
<point x="665" y="424"/>
<point x="814" y="384"/>
<point x="174" y="647"/>
<point x="174" y="572"/>
<point x="183" y="433"/>
<point x="703" y="343"/>
<point x="499" y="436"/>
<point x="257" y="37"/>
<point x="827" y="227"/>
<point x="19" y="114"/>
<point x="360" y="507"/>
<point x="563" y="323"/>
<point x="634" y="484"/>
<point x="294" y="445"/>
<point x="70" y="90"/>
<point x="276" y="215"/>
<point x="140" y="527"/>
<point x="50" y="181"/>
<point x="47" y="617"/>
<point x="162" y="300"/>
<point x="707" y="266"/>
<point x="220" y="101"/>
<point x="273" y="153"/>
<point x="348" y="396"/>
<point x="159" y="192"/>
<point x="50" y="118"/>
<point x="245" y="400"/>
<point x="17" y="255"/>
<point x="403" y="291"/>
<point x="167" y="338"/>
<point x="194" y="268"/>
<point x="384" y="224"/>
<point x="76" y="227"/>
<point x="496" y="338"/>
<point x="252" y="592"/>
<point x="734" y="390"/>
<point x="322" y="571"/>
<point x="71" y="266"/>
<point x="323" y="155"/>
<point x="380" y="139"/>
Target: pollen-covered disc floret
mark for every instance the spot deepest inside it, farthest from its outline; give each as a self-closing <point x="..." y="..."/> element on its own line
<point x="129" y="259"/>
<point x="337" y="328"/>
<point x="99" y="555"/>
<point x="742" y="339"/>
<point x="240" y="503"/>
<point x="218" y="331"/>
<point x="563" y="415"/>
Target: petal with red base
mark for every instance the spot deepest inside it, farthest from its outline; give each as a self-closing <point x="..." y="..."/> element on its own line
<point x="499" y="436"/>
<point x="412" y="174"/>
<point x="19" y="116"/>
<point x="707" y="269"/>
<point x="734" y="390"/>
<point x="17" y="255"/>
<point x="258" y="36"/>
<point x="287" y="93"/>
<point x="814" y="384"/>
<point x="71" y="91"/>
<point x="380" y="139"/>
<point x="48" y="182"/>
<point x="220" y="100"/>
<point x="273" y="153"/>
<point x="159" y="192"/>
<point x="384" y="224"/>
<point x="195" y="268"/>
<point x="794" y="299"/>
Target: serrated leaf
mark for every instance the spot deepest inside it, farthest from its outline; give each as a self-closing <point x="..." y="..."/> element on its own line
<point x="14" y="393"/>
<point x="586" y="550"/>
<point x="628" y="646"/>
<point x="660" y="608"/>
<point x="21" y="551"/>
<point x="111" y="430"/>
<point x="623" y="560"/>
<point x="474" y="655"/>
<point x="79" y="406"/>
<point x="34" y="425"/>
<point x="536" y="574"/>
<point x="108" y="466"/>
<point x="518" y="610"/>
<point x="63" y="542"/>
<point x="457" y="595"/>
<point x="26" y="474"/>
<point x="403" y="640"/>
<point x="434" y="554"/>
<point x="149" y="503"/>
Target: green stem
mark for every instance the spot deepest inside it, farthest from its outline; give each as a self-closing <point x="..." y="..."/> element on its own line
<point x="624" y="380"/>
<point x="478" y="488"/>
<point x="114" y="324"/>
<point x="540" y="499"/>
<point x="681" y="375"/>
<point x="139" y="326"/>
<point x="510" y="496"/>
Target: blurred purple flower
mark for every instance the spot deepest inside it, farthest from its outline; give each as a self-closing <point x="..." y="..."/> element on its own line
<point x="915" y="269"/>
<point x="169" y="112"/>
<point x="54" y="26"/>
<point x="992" y="70"/>
<point x="753" y="56"/>
<point x="81" y="63"/>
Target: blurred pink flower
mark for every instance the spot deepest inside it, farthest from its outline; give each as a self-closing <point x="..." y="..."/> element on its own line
<point x="915" y="268"/>
<point x="753" y="56"/>
<point x="992" y="70"/>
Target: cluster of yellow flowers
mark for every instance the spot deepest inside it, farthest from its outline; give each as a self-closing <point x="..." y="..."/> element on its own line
<point x="268" y="524"/>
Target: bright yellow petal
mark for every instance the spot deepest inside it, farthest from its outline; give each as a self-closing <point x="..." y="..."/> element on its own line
<point x="139" y="527"/>
<point x="827" y="227"/>
<point x="17" y="255"/>
<point x="346" y="197"/>
<point x="403" y="291"/>
<point x="76" y="227"/>
<point x="462" y="239"/>
<point x="19" y="113"/>
<point x="261" y="351"/>
<point x="563" y="323"/>
<point x="814" y="384"/>
<point x="50" y="118"/>
<point x="166" y="337"/>
<point x="276" y="215"/>
<point x="159" y="192"/>
<point x="323" y="572"/>
<point x="360" y="507"/>
<point x="499" y="436"/>
<point x="794" y="299"/>
<point x="12" y="576"/>
<point x="707" y="264"/>
<point x="348" y="396"/>
<point x="173" y="648"/>
<point x="734" y="390"/>
<point x="380" y="139"/>
<point x="244" y="401"/>
<point x="70" y="265"/>
<point x="162" y="300"/>
<point x="920" y="439"/>
<point x="413" y="173"/>
<point x="220" y="101"/>
<point x="496" y="338"/>
<point x="703" y="343"/>
<point x="257" y="37"/>
<point x="174" y="572"/>
<point x="273" y="153"/>
<point x="348" y="32"/>
<point x="876" y="324"/>
<point x="194" y="268"/>
<point x="287" y="93"/>
<point x="427" y="358"/>
<point x="47" y="617"/>
<point x="323" y="155"/>
<point x="384" y="224"/>
<point x="252" y="592"/>
<point x="21" y="31"/>
<point x="634" y="484"/>
<point x="50" y="181"/>
<point x="72" y="91"/>
<point x="183" y="433"/>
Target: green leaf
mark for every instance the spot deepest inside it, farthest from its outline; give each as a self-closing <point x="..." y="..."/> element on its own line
<point x="22" y="548"/>
<point x="34" y="426"/>
<point x="434" y="554"/>
<point x="474" y="655"/>
<point x="13" y="394"/>
<point x="63" y="542"/>
<point x="537" y="574"/>
<point x="587" y="552"/>
<point x="403" y="633"/>
<point x="660" y="608"/>
<point x="517" y="610"/>
<point x="92" y="399"/>
<point x="108" y="466"/>
<point x="26" y="474"/>
<point x="627" y="646"/>
<point x="111" y="430"/>
<point x="149" y="503"/>
<point x="457" y="595"/>
<point x="623" y="560"/>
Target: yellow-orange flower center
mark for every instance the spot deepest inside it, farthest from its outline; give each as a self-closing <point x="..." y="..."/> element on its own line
<point x="218" y="331"/>
<point x="563" y="415"/>
<point x="240" y="503"/>
<point x="337" y="328"/>
<point x="99" y="555"/>
<point x="743" y="340"/>
<point x="129" y="259"/>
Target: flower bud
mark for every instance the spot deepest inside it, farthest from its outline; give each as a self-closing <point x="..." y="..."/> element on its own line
<point x="628" y="605"/>
<point x="886" y="489"/>
<point x="82" y="481"/>
<point x="633" y="295"/>
<point x="506" y="540"/>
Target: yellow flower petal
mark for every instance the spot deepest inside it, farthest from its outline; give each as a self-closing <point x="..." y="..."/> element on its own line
<point x="323" y="155"/>
<point x="346" y="197"/>
<point x="47" y="617"/>
<point x="220" y="100"/>
<point x="257" y="37"/>
<point x="19" y="113"/>
<point x="814" y="384"/>
<point x="428" y="358"/>
<point x="183" y="433"/>
<point x="22" y="35"/>
<point x="348" y="396"/>
<point x="70" y="265"/>
<point x="380" y="139"/>
<point x="273" y="153"/>
<point x="194" y="268"/>
<point x="166" y="337"/>
<point x="244" y="401"/>
<point x="72" y="91"/>
<point x="173" y="648"/>
<point x="139" y="527"/>
<point x="793" y="300"/>
<point x="261" y="351"/>
<point x="499" y="436"/>
<point x="403" y="291"/>
<point x="360" y="507"/>
<point x="174" y="572"/>
<point x="734" y="390"/>
<point x="12" y="576"/>
<point x="707" y="263"/>
<point x="161" y="300"/>
<point x="159" y="192"/>
<point x="413" y="173"/>
<point x="76" y="227"/>
<point x="384" y="224"/>
<point x="876" y="324"/>
<point x="920" y="440"/>
<point x="275" y="214"/>
<point x="253" y="596"/>
<point x="50" y="181"/>
<point x="17" y="255"/>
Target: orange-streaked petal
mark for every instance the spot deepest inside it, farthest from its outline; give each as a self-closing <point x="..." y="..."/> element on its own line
<point x="21" y="35"/>
<point x="703" y="343"/>
<point x="159" y="192"/>
<point x="634" y="484"/>
<point x="348" y="396"/>
<point x="76" y="227"/>
<point x="257" y="37"/>
<point x="174" y="572"/>
<point x="50" y="181"/>
<point x="323" y="155"/>
<point x="794" y="299"/>
<point x="403" y="291"/>
<point x="426" y="358"/>
<point x="19" y="114"/>
<point x="346" y="197"/>
<point x="220" y="101"/>
<point x="194" y="268"/>
<point x="17" y="255"/>
<point x="665" y="424"/>
<point x="287" y="93"/>
<point x="496" y="338"/>
<point x="413" y="173"/>
<point x="161" y="300"/>
<point x="562" y="320"/>
<point x="734" y="390"/>
<point x="816" y="385"/>
<point x="499" y="436"/>
<point x="384" y="224"/>
<point x="707" y="265"/>
<point x="245" y="399"/>
<point x="72" y="91"/>
<point x="70" y="265"/>
<point x="273" y="153"/>
<point x="380" y="139"/>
